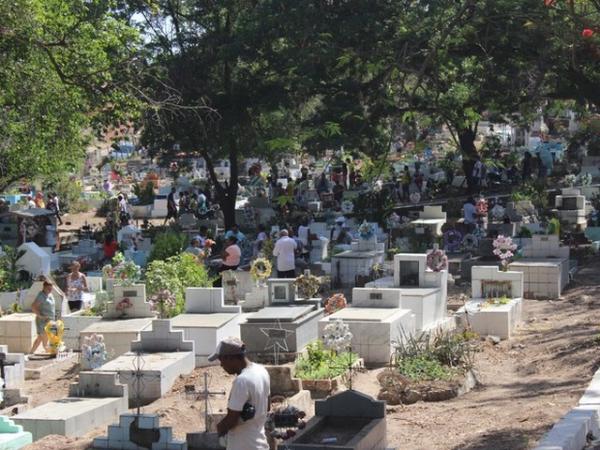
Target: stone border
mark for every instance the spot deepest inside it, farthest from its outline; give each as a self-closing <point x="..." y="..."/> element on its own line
<point x="572" y="430"/>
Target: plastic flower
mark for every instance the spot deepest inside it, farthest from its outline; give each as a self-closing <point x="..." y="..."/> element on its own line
<point x="337" y="336"/>
<point x="335" y="303"/>
<point x="587" y="33"/>
<point x="504" y="249"/>
<point x="437" y="260"/>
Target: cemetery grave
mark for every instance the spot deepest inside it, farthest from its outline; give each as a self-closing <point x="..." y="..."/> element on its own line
<point x="207" y="320"/>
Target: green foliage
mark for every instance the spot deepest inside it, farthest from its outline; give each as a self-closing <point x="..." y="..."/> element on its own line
<point x="167" y="244"/>
<point x="175" y="274"/>
<point x="144" y="193"/>
<point x="61" y="70"/>
<point x="320" y="363"/>
<point x="524" y="232"/>
<point x="10" y="278"/>
<point x="437" y="357"/>
<point x="424" y="368"/>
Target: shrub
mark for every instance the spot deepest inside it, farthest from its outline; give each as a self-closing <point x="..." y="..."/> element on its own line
<point x="144" y="192"/>
<point x="440" y="357"/>
<point x="175" y="275"/>
<point x="168" y="244"/>
<point x="320" y="363"/>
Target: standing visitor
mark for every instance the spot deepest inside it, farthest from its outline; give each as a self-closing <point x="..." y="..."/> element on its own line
<point x="526" y="171"/>
<point x="419" y="180"/>
<point x="470" y="212"/>
<point x="477" y="174"/>
<point x="284" y="251"/>
<point x="39" y="200"/>
<point x="322" y="184"/>
<point x="109" y="247"/>
<point x="123" y="210"/>
<point x="405" y="180"/>
<point x="236" y="233"/>
<point x="76" y="286"/>
<point x="304" y="237"/>
<point x="171" y="206"/>
<point x="30" y="202"/>
<point x="249" y="399"/>
<point x="44" y="309"/>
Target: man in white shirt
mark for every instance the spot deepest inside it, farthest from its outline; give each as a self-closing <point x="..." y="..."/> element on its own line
<point x="284" y="251"/>
<point x="249" y="399"/>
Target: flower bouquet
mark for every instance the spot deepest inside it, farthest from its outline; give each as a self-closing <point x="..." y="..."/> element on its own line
<point x="337" y="336"/>
<point x="123" y="305"/>
<point x="164" y="303"/>
<point x="308" y="285"/>
<point x="335" y="303"/>
<point x="437" y="260"/>
<point x="366" y="231"/>
<point x="260" y="269"/>
<point x="481" y="207"/>
<point x="93" y="352"/>
<point x="504" y="249"/>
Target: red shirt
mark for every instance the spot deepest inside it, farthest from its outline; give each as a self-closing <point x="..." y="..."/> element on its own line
<point x="110" y="249"/>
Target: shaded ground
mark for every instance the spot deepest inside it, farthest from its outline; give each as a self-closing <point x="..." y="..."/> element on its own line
<point x="526" y="385"/>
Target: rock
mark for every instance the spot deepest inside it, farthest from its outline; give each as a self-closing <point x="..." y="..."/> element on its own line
<point x="410" y="396"/>
<point x="531" y="320"/>
<point x="494" y="339"/>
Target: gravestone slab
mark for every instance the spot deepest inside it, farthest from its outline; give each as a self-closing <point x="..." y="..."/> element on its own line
<point x="207" y="321"/>
<point x="118" y="334"/>
<point x="355" y="420"/>
<point x="95" y="400"/>
<point x="139" y="308"/>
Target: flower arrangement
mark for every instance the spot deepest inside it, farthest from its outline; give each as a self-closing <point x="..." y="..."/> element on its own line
<point x="393" y="220"/>
<point x="308" y="285"/>
<point x="452" y="240"/>
<point x="498" y="212"/>
<point x="93" y="352"/>
<point x="347" y="206"/>
<point x="366" y="231"/>
<point x="164" y="303"/>
<point x="335" y="303"/>
<point x="470" y="242"/>
<point x="481" y="207"/>
<point x="260" y="269"/>
<point x="337" y="336"/>
<point x="437" y="260"/>
<point x="124" y="272"/>
<point x="504" y="249"/>
<point x="415" y="197"/>
<point x="570" y="179"/>
<point x="206" y="251"/>
<point x="585" y="179"/>
<point x="377" y="270"/>
<point x="123" y="305"/>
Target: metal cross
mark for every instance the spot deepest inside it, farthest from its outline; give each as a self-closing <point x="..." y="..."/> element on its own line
<point x="138" y="377"/>
<point x="277" y="340"/>
<point x="190" y="390"/>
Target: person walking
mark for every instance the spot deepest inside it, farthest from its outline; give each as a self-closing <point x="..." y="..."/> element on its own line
<point x="171" y="206"/>
<point x="45" y="310"/>
<point x="249" y="399"/>
<point x="405" y="180"/>
<point x="284" y="251"/>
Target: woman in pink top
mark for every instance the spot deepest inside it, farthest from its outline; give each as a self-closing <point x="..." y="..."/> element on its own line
<point x="231" y="257"/>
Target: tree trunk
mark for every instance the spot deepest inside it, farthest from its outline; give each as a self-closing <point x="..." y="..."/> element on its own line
<point x="226" y="194"/>
<point x="466" y="139"/>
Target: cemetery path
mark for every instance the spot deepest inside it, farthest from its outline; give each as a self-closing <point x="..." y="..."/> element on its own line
<point x="526" y="385"/>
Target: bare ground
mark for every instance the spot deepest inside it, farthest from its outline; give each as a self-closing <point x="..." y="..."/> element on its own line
<point x="527" y="384"/>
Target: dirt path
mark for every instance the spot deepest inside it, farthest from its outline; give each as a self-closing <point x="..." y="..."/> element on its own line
<point x="526" y="385"/>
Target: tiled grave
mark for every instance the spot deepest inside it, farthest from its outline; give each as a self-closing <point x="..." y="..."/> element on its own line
<point x="570" y="207"/>
<point x="545" y="267"/>
<point x="12" y="437"/>
<point x="375" y="319"/>
<point x="207" y="320"/>
<point x="14" y="368"/>
<point x="498" y="319"/>
<point x="363" y="255"/>
<point x="293" y="326"/>
<point x="139" y="432"/>
<point x="118" y="334"/>
<point x="136" y="293"/>
<point x="96" y="400"/>
<point x="424" y="292"/>
<point x="431" y="217"/>
<point x="351" y="420"/>
<point x="161" y="355"/>
<point x="17" y="332"/>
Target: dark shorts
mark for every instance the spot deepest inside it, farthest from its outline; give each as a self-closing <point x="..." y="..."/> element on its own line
<point x="286" y="274"/>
